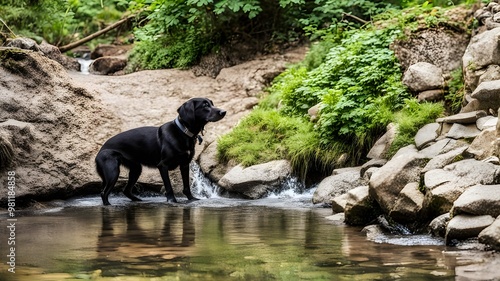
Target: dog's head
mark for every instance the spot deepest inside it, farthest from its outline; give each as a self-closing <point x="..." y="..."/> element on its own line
<point x="197" y="112"/>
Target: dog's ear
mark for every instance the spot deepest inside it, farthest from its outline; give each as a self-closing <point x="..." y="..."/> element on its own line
<point x="186" y="112"/>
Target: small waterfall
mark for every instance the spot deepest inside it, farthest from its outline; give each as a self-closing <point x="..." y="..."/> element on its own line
<point x="84" y="65"/>
<point x="203" y="187"/>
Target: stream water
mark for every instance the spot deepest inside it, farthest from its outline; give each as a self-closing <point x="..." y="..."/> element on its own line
<point x="281" y="237"/>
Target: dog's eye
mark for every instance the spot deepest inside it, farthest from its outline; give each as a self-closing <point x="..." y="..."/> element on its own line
<point x="206" y="104"/>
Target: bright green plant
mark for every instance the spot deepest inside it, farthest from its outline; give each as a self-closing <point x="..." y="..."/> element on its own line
<point x="410" y="119"/>
<point x="456" y="90"/>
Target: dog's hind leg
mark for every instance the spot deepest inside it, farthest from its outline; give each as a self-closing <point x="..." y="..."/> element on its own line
<point x="108" y="167"/>
<point x="133" y="176"/>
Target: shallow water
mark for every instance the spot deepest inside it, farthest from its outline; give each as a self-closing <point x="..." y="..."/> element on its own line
<point x="283" y="237"/>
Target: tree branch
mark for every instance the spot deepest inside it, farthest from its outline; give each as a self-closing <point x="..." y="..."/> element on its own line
<point x="94" y="35"/>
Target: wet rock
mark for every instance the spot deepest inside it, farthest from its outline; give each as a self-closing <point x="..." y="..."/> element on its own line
<point x="382" y="145"/>
<point x="445" y="185"/>
<point x="427" y="134"/>
<point x="107" y="65"/>
<point x="359" y="208"/>
<point x="409" y="204"/>
<point x="438" y="225"/>
<point x="337" y="184"/>
<point x="256" y="181"/>
<point x="463" y="118"/>
<point x="459" y="131"/>
<point x="387" y="182"/>
<point x="479" y="200"/>
<point x="423" y="76"/>
<point x="210" y="165"/>
<point x="462" y="227"/>
<point x="483" y="146"/>
<point x="339" y="202"/>
<point x="491" y="235"/>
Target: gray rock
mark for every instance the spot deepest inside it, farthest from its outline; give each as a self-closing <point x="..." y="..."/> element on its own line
<point x="483" y="146"/>
<point x="431" y="95"/>
<point x="370" y="164"/>
<point x="444" y="159"/>
<point x="488" y="95"/>
<point x="337" y="184"/>
<point x="313" y="112"/>
<point x="486" y="122"/>
<point x="482" y="14"/>
<point x="380" y="148"/>
<point x="339" y="202"/>
<point x="482" y="51"/>
<point x="23" y="43"/>
<point x="408" y="205"/>
<point x="427" y="134"/>
<point x="438" y="225"/>
<point x="423" y="76"/>
<point x="387" y="182"/>
<point x="256" y="181"/>
<point x="492" y="73"/>
<point x="359" y="208"/>
<point x="491" y="235"/>
<point x="479" y="200"/>
<point x="491" y="24"/>
<point x="463" y="118"/>
<point x="459" y="131"/>
<point x="107" y="65"/>
<point x="466" y="226"/>
<point x="210" y="165"/>
<point x="447" y="184"/>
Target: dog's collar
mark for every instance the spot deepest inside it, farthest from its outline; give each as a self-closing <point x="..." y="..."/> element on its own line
<point x="186" y="131"/>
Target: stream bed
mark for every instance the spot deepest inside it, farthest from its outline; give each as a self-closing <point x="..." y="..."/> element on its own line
<point x="282" y="237"/>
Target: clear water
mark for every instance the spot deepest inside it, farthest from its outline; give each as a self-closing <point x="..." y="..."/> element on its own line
<point x="282" y="237"/>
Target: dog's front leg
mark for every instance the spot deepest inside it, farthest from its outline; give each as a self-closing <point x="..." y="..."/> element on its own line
<point x="185" y="182"/>
<point x="169" y="192"/>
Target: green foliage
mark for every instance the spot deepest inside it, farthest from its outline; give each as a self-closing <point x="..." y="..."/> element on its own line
<point x="267" y="135"/>
<point x="60" y="21"/>
<point x="456" y="90"/>
<point x="410" y="119"/>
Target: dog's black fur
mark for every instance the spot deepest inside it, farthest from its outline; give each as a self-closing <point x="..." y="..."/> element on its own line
<point x="166" y="147"/>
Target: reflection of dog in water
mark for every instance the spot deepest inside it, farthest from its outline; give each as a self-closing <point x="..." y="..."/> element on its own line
<point x="136" y="235"/>
<point x="166" y="147"/>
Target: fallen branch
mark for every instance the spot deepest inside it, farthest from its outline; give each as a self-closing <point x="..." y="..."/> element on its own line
<point x="356" y="18"/>
<point x="94" y="35"/>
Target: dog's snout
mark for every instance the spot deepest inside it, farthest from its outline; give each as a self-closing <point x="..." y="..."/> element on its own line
<point x="222" y="113"/>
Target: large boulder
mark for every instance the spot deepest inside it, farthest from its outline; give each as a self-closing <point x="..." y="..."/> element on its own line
<point x="479" y="200"/>
<point x="445" y="185"/>
<point x="485" y="97"/>
<point x="381" y="147"/>
<point x="359" y="208"/>
<point x="483" y="146"/>
<point x="387" y="182"/>
<point x="482" y="51"/>
<point x="491" y="235"/>
<point x="338" y="184"/>
<point x="409" y="205"/>
<point x="256" y="181"/>
<point x="466" y="226"/>
<point x="55" y="129"/>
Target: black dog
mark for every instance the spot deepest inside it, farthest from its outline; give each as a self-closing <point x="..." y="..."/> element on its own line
<point x="166" y="147"/>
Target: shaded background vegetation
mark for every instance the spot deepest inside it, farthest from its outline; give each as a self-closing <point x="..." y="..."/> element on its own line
<point x="350" y="72"/>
